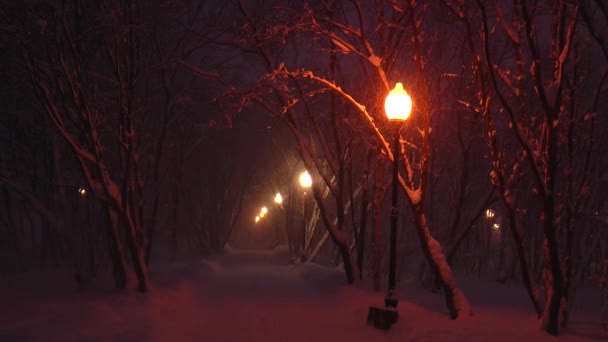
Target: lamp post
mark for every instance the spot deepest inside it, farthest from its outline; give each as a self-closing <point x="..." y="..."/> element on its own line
<point x="305" y="182"/>
<point x="398" y="106"/>
<point x="278" y="199"/>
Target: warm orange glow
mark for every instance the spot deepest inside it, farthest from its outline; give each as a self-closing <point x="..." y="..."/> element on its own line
<point x="264" y="210"/>
<point x="496" y="226"/>
<point x="257" y="219"/>
<point x="398" y="104"/>
<point x="82" y="191"/>
<point x="262" y="215"/>
<point x="305" y="179"/>
<point x="278" y="199"/>
<point x="489" y="213"/>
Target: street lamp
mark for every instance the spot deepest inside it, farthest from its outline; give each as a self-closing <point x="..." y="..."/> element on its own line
<point x="398" y="106"/>
<point x="278" y="199"/>
<point x="305" y="182"/>
<point x="305" y="179"/>
<point x="489" y="213"/>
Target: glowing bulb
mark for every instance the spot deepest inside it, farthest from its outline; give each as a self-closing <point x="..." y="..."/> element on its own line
<point x="489" y="213"/>
<point x="264" y="210"/>
<point x="398" y="104"/>
<point x="82" y="191"/>
<point x="496" y="226"/>
<point x="305" y="179"/>
<point x="257" y="219"/>
<point x="278" y="198"/>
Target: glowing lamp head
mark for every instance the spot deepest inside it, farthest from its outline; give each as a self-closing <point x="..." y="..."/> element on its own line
<point x="305" y="180"/>
<point x="278" y="199"/>
<point x="264" y="210"/>
<point x="398" y="104"/>
<point x="257" y="219"/>
<point x="82" y="191"/>
<point x="262" y="215"/>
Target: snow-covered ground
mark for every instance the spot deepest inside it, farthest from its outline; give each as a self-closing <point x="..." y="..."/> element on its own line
<point x="259" y="296"/>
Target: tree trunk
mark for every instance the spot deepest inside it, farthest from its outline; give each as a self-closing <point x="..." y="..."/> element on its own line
<point x="552" y="269"/>
<point x="338" y="237"/>
<point x="138" y="257"/>
<point x="552" y="274"/>
<point x="115" y="248"/>
<point x="526" y="278"/>
<point x="362" y="229"/>
<point x="349" y="270"/>
<point x="456" y="302"/>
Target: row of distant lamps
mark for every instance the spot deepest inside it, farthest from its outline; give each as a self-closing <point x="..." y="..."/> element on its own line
<point x="305" y="182"/>
<point x="489" y="215"/>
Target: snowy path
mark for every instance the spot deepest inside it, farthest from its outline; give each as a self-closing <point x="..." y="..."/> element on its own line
<point x="240" y="296"/>
<point x="247" y="296"/>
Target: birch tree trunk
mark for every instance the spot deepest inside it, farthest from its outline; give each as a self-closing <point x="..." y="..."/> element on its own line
<point x="117" y="255"/>
<point x="456" y="302"/>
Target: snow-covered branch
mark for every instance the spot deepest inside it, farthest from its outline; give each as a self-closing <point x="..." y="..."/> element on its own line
<point x="413" y="194"/>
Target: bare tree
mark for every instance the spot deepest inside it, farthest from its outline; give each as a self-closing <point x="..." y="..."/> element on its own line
<point x="79" y="87"/>
<point x="340" y="36"/>
<point x="523" y="68"/>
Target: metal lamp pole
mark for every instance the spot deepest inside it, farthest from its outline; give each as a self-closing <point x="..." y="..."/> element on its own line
<point x="398" y="106"/>
<point x="305" y="183"/>
<point x="391" y="300"/>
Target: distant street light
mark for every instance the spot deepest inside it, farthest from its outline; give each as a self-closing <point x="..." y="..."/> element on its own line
<point x="489" y="213"/>
<point x="257" y="219"/>
<point x="305" y="180"/>
<point x="264" y="210"/>
<point x="278" y="199"/>
<point x="82" y="191"/>
<point x="398" y="106"/>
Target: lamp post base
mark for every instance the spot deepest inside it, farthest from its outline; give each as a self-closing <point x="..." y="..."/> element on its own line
<point x="390" y="301"/>
<point x="382" y="318"/>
